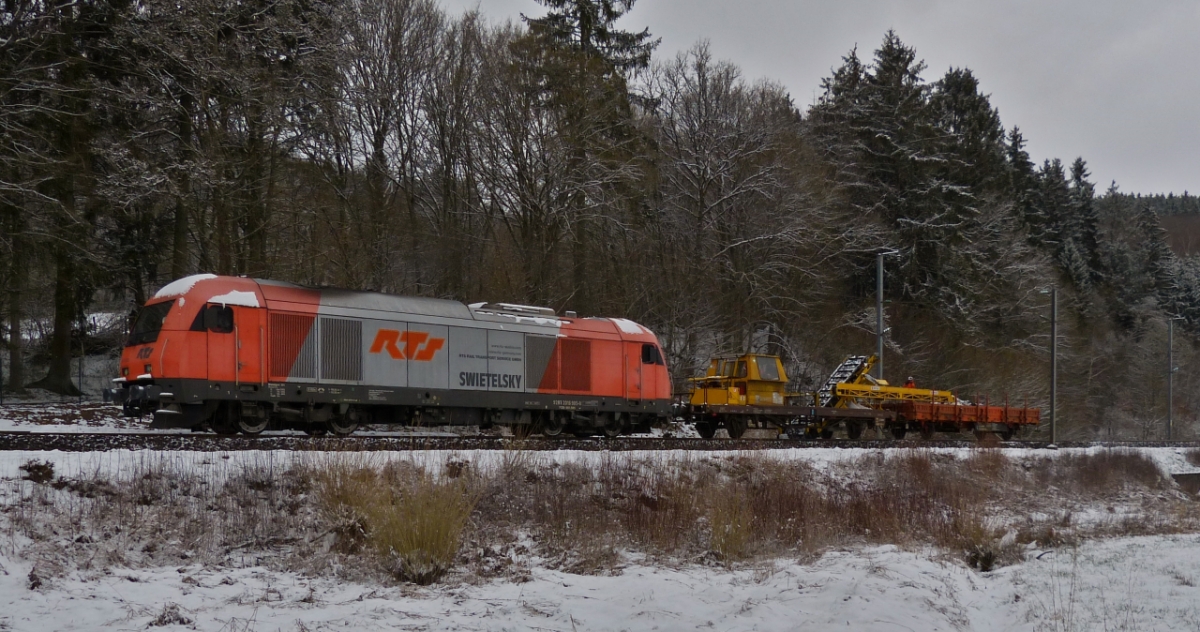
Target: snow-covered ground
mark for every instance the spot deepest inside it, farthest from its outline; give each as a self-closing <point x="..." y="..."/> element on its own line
<point x="1123" y="583"/>
<point x="1142" y="583"/>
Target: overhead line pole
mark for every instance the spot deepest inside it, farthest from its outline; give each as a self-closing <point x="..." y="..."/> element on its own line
<point x="879" y="316"/>
<point x="879" y="330"/>
<point x="1053" y="365"/>
<point x="1170" y="372"/>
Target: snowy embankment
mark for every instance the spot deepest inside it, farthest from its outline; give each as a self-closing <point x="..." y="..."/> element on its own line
<point x="1084" y="539"/>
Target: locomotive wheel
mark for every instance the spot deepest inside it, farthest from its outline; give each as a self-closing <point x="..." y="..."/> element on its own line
<point x="614" y="424"/>
<point x="706" y="431"/>
<point x="251" y="425"/>
<point x="735" y="427"/>
<point x="553" y="426"/>
<point x="342" y="426"/>
<point x="898" y="432"/>
<point x="854" y="430"/>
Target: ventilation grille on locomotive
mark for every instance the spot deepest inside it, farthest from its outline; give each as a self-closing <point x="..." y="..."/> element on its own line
<point x="293" y="352"/>
<point x="341" y="349"/>
<point x="576" y="365"/>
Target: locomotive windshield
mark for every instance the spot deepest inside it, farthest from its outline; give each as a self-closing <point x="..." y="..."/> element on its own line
<point x="149" y="323"/>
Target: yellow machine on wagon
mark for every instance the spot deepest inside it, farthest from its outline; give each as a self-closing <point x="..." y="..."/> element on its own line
<point x="750" y="390"/>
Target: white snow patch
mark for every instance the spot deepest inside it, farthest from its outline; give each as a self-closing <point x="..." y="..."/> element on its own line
<point x="241" y="299"/>
<point x="182" y="286"/>
<point x="1144" y="583"/>
<point x="630" y="327"/>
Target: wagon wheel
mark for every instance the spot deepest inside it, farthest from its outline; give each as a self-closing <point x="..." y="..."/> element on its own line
<point x="553" y="426"/>
<point x="811" y="432"/>
<point x="736" y="427"/>
<point x="927" y="432"/>
<point x="342" y="426"/>
<point x="854" y="430"/>
<point x="898" y="431"/>
<point x="1007" y="433"/>
<point x="705" y="430"/>
<point x="827" y="433"/>
<point x="614" y="425"/>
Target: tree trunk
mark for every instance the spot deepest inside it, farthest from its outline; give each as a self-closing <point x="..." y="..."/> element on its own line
<point x="58" y="378"/>
<point x="179" y="246"/>
<point x="16" y="277"/>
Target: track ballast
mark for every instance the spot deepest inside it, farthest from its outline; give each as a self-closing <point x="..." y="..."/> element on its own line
<point x="92" y="442"/>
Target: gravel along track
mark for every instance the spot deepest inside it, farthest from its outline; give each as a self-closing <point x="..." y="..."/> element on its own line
<point x="199" y="442"/>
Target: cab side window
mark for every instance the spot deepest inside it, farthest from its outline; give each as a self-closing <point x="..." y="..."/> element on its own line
<point x="651" y="354"/>
<point x="215" y="318"/>
<point x="767" y="369"/>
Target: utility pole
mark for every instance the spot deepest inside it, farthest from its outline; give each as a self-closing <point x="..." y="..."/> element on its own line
<point x="879" y="316"/>
<point x="879" y="330"/>
<point x="1053" y="365"/>
<point x="82" y="352"/>
<point x="1170" y="371"/>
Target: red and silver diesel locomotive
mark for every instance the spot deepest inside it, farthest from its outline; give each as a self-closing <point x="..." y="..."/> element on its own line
<point x="235" y="354"/>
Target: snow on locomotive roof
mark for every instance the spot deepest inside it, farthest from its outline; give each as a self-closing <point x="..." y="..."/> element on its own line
<point x="629" y="327"/>
<point x="241" y="299"/>
<point x="182" y="286"/>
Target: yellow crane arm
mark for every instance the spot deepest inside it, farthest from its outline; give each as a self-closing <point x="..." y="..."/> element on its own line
<point x="867" y="394"/>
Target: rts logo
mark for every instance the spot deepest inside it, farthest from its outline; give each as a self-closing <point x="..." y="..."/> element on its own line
<point x="387" y="339"/>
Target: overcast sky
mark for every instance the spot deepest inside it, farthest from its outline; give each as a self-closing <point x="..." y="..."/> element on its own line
<point x="1113" y="81"/>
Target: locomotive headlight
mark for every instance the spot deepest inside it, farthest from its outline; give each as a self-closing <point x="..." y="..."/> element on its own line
<point x="148" y="368"/>
<point x="125" y="372"/>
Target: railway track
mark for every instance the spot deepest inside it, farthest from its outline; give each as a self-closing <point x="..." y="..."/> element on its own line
<point x="202" y="442"/>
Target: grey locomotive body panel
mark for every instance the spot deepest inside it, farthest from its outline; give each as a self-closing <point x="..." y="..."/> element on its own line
<point x="355" y="346"/>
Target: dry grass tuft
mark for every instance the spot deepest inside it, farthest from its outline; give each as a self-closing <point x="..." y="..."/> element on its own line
<point x="1100" y="473"/>
<point x="731" y="522"/>
<point x="413" y="521"/>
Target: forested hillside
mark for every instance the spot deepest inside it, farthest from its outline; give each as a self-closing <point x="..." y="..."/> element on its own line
<point x="386" y="145"/>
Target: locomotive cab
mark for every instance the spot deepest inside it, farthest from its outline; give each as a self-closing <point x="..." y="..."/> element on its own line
<point x="194" y="330"/>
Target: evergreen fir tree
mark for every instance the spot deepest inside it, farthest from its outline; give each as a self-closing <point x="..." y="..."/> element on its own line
<point x="1023" y="186"/>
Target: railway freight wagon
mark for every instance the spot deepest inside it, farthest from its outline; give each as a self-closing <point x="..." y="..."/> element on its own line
<point x="233" y="354"/>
